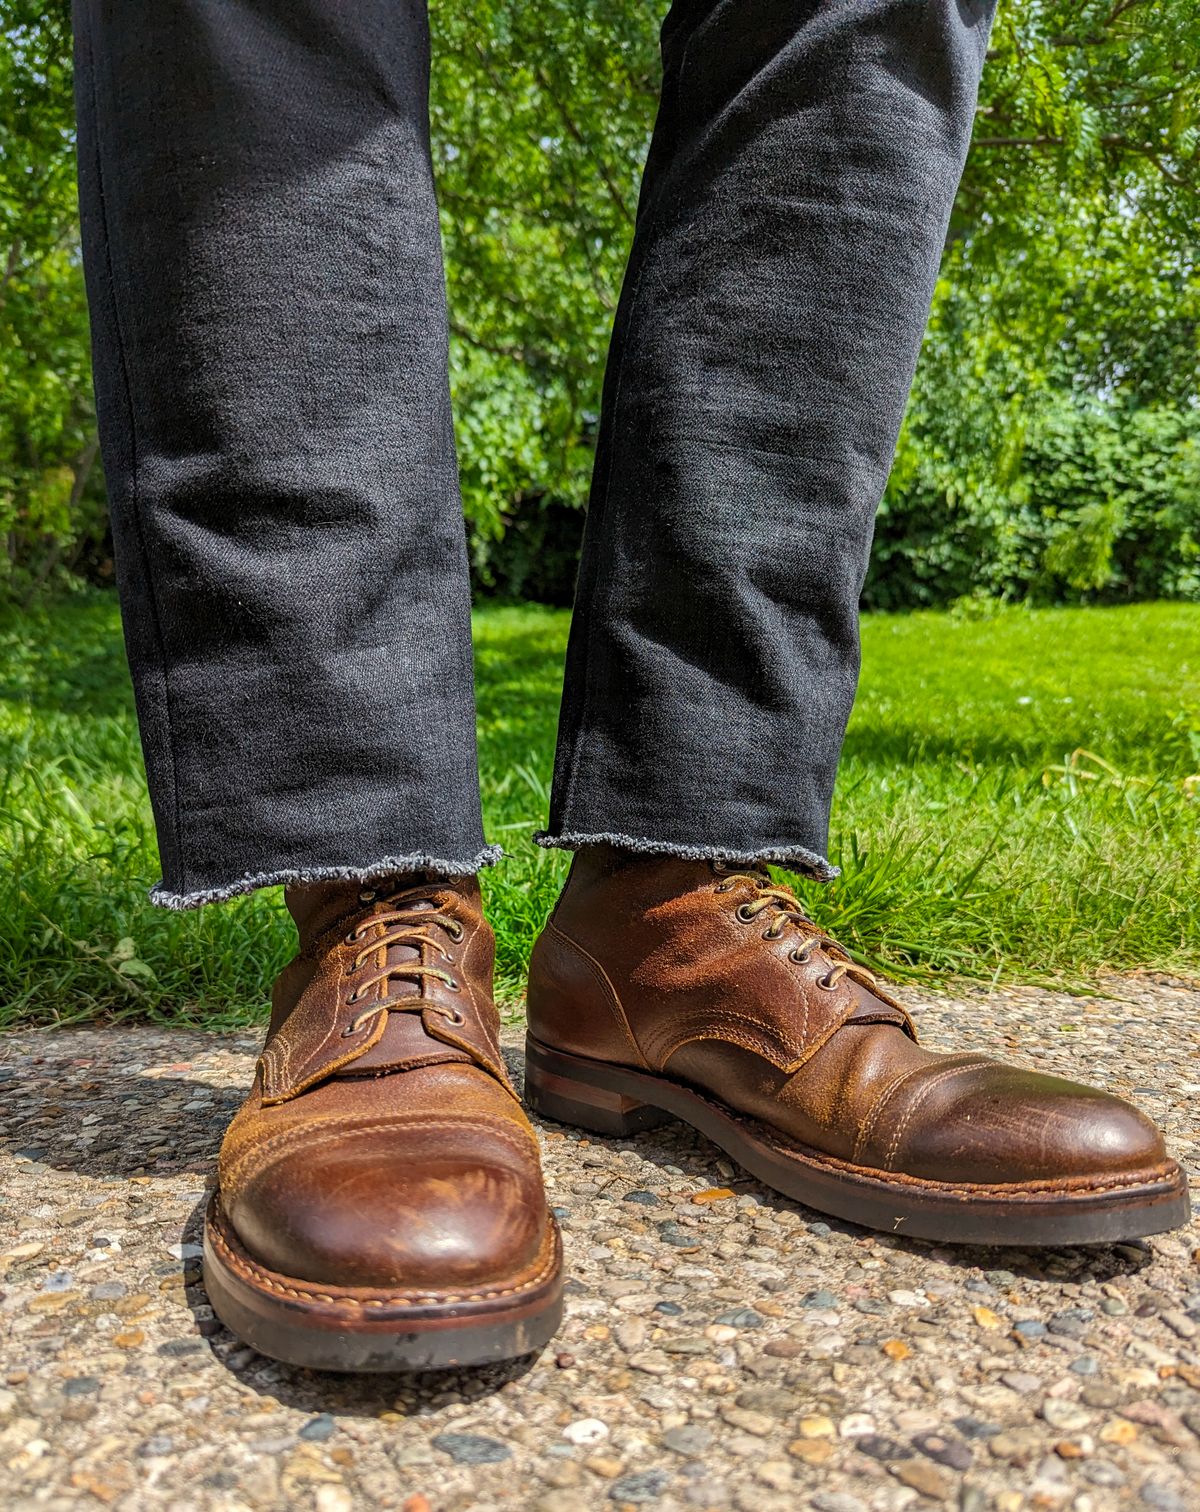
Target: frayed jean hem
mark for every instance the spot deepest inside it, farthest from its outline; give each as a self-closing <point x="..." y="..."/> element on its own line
<point x="794" y="857"/>
<point x="387" y="866"/>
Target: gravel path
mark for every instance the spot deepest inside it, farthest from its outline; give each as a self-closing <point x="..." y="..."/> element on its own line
<point x="723" y="1348"/>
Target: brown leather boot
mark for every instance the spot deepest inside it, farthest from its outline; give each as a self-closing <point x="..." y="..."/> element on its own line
<point x="380" y="1202"/>
<point x="666" y="988"/>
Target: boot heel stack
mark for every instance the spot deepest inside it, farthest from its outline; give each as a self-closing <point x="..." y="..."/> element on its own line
<point x="553" y="1091"/>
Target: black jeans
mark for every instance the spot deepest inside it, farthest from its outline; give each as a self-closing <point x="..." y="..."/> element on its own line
<point x="270" y="340"/>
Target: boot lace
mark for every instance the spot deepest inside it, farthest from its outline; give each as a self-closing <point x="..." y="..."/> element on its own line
<point x="786" y="911"/>
<point x="402" y="926"/>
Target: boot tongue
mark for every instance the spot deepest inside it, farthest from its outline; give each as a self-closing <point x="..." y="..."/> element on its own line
<point x="405" y="1041"/>
<point x="451" y="1024"/>
<point x="872" y="1010"/>
<point x="318" y="906"/>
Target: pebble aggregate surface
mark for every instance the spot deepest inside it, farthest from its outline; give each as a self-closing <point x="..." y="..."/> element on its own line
<point x="722" y="1347"/>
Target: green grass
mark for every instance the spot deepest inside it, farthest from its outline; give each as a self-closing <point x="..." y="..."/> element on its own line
<point x="975" y="839"/>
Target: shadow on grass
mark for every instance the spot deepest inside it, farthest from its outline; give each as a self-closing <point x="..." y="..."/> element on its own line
<point x="67" y="658"/>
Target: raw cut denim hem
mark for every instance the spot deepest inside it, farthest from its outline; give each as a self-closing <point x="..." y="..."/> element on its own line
<point x="794" y="857"/>
<point x="388" y="866"/>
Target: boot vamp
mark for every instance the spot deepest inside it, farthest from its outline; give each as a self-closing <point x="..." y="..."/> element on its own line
<point x="985" y="1122"/>
<point x="875" y="1098"/>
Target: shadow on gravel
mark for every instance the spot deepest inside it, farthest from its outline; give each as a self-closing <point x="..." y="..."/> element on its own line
<point x="692" y="1152"/>
<point x="152" y="1131"/>
<point x="148" y="1129"/>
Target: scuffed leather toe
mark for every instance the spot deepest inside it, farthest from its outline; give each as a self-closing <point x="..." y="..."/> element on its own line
<point x="991" y="1123"/>
<point x="373" y="1210"/>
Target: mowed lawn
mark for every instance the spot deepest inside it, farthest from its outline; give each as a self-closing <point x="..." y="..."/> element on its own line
<point x="1020" y="798"/>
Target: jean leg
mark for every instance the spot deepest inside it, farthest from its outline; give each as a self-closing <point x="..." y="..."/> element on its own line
<point x="267" y="297"/>
<point x="792" y="215"/>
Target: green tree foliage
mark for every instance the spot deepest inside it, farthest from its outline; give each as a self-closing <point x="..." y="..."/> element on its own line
<point x="541" y="118"/>
<point x="1052" y="446"/>
<point x="50" y="491"/>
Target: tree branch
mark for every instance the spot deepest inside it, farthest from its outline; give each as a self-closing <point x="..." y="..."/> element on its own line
<point x="574" y="132"/>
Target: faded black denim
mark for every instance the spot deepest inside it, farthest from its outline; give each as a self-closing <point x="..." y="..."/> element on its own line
<point x="270" y="340"/>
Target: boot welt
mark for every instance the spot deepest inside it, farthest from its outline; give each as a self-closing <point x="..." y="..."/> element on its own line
<point x="611" y="1099"/>
<point x="375" y="1329"/>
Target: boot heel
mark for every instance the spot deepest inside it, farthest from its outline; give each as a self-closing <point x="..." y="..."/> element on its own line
<point x="567" y="1099"/>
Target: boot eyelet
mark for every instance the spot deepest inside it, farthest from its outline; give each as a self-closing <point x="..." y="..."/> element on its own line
<point x="743" y="913"/>
<point x="723" y="887"/>
<point x="367" y="895"/>
<point x="354" y="996"/>
<point x="455" y="986"/>
<point x="826" y="985"/>
<point x="348" y="1031"/>
<point x="801" y="957"/>
<point x="454" y="1017"/>
<point x="353" y="937"/>
<point x="455" y="931"/>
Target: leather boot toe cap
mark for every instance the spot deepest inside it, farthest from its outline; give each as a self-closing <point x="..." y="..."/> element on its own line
<point x="993" y="1123"/>
<point x="373" y="1211"/>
